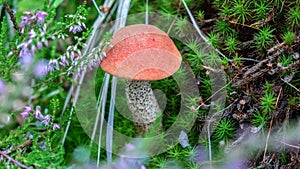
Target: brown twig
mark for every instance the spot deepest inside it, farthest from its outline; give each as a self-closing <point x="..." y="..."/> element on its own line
<point x="22" y="145"/>
<point x="14" y="161"/>
<point x="290" y="145"/>
<point x="203" y="103"/>
<point x="12" y="17"/>
<point x="271" y="123"/>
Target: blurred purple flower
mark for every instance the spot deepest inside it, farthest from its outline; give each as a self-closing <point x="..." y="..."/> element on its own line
<point x="46" y="120"/>
<point x="40" y="69"/>
<point x="26" y="59"/>
<point x="2" y="88"/>
<point x="56" y="126"/>
<point x="235" y="164"/>
<point x="129" y="147"/>
<point x="129" y="163"/>
<point x="41" y="16"/>
<point x="200" y="154"/>
<point x="75" y="29"/>
<point x="38" y="113"/>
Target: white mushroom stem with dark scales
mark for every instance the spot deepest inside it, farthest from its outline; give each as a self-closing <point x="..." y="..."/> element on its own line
<point x="142" y="103"/>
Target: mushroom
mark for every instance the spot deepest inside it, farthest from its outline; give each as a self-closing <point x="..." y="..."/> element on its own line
<point x="141" y="53"/>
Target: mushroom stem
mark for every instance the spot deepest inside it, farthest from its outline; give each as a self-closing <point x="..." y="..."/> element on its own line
<point x="142" y="103"/>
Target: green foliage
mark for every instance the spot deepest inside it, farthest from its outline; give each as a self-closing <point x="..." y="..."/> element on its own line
<point x="268" y="102"/>
<point x="214" y="39"/>
<point x="181" y="25"/>
<point x="231" y="44"/>
<point x="159" y="161"/>
<point x="224" y="130"/>
<point x="200" y="15"/>
<point x="225" y="11"/>
<point x="289" y="37"/>
<point x="223" y="28"/>
<point x="44" y="150"/>
<point x="237" y="60"/>
<point x="260" y="118"/>
<point x="262" y="8"/>
<point x="264" y="38"/>
<point x="241" y="10"/>
<point x="286" y="60"/>
<point x="294" y="16"/>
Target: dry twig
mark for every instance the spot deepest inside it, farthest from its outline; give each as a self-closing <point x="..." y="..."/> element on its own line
<point x="14" y="161"/>
<point x="271" y="123"/>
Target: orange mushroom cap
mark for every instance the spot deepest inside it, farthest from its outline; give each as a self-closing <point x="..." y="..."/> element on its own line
<point x="141" y="52"/>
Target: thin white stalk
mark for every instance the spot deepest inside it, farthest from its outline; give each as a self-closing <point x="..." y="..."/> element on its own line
<point x="202" y="35"/>
<point x="97" y="8"/>
<point x="99" y="102"/>
<point x="102" y="106"/>
<point x="122" y="15"/>
<point x="147" y="13"/>
<point x="90" y="44"/>
<point x="110" y="123"/>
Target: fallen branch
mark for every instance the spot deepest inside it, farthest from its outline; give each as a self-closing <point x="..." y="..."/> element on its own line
<point x="14" y="161"/>
<point x="12" y="17"/>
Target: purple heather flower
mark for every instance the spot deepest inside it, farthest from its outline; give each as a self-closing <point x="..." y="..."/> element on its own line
<point x="46" y="120"/>
<point x="56" y="126"/>
<point x="39" y="45"/>
<point x="41" y="16"/>
<point x="10" y="54"/>
<point x="26" y="112"/>
<point x="38" y="113"/>
<point x="27" y="13"/>
<point x="45" y="42"/>
<point x="72" y="56"/>
<point x="31" y="33"/>
<point x="75" y="29"/>
<point x="28" y="109"/>
<point x="64" y="62"/>
<point x="33" y="48"/>
<point x="51" y="64"/>
<point x="25" y="21"/>
<point x="55" y="61"/>
<point x="40" y="69"/>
